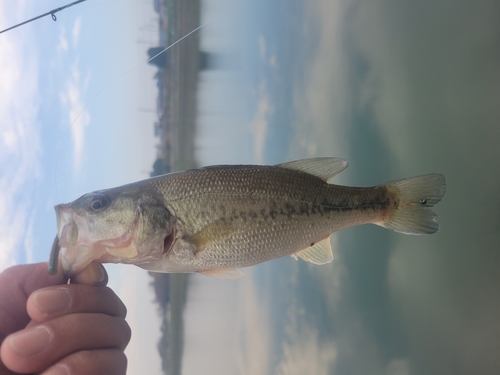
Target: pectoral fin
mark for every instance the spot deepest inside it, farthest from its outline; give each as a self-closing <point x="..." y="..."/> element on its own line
<point x="319" y="253"/>
<point x="229" y="273"/>
<point x="211" y="235"/>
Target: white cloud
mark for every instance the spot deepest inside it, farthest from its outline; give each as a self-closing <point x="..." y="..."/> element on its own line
<point x="306" y="353"/>
<point x="19" y="139"/>
<point x="265" y="57"/>
<point x="76" y="31"/>
<point x="210" y="339"/>
<point x="79" y="117"/>
<point x="228" y="330"/>
<point x="273" y="61"/>
<point x="321" y="96"/>
<point x="72" y="98"/>
<point x="254" y="330"/>
<point x="63" y="41"/>
<point x="260" y="123"/>
<point x="131" y="284"/>
<point x="332" y="276"/>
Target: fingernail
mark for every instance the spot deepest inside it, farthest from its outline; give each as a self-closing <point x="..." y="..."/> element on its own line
<point x="57" y="370"/>
<point x="30" y="341"/>
<point x="97" y="272"/>
<point x="53" y="300"/>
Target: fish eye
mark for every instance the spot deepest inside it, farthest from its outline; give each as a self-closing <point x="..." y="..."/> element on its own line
<point x="98" y="203"/>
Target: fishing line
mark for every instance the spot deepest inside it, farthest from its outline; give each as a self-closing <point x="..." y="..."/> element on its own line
<point x="131" y="70"/>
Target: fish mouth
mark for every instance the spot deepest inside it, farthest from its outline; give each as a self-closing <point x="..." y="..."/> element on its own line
<point x="75" y="251"/>
<point x="76" y="248"/>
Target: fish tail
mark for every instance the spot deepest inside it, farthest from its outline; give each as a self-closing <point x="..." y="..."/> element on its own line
<point x="413" y="197"/>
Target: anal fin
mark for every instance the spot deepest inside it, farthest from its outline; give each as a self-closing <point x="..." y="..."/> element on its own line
<point x="226" y="273"/>
<point x="319" y="253"/>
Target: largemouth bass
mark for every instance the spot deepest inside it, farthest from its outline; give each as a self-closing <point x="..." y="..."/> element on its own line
<point x="217" y="219"/>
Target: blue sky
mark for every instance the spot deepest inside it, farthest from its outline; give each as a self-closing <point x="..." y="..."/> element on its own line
<point x="77" y="108"/>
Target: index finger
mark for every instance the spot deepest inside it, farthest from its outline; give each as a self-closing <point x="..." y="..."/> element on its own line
<point x="49" y="303"/>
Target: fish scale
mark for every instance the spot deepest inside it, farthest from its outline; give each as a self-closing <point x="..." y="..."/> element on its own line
<point x="216" y="219"/>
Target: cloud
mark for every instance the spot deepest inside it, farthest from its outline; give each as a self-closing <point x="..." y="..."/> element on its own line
<point x="72" y="97"/>
<point x="260" y="124"/>
<point x="132" y="285"/>
<point x="321" y="94"/>
<point x="76" y="31"/>
<point x="210" y="323"/>
<point x="63" y="41"/>
<point x="254" y="330"/>
<point x="304" y="351"/>
<point x="79" y="117"/>
<point x="273" y="61"/>
<point x="426" y="87"/>
<point x="263" y="53"/>
<point x="20" y="148"/>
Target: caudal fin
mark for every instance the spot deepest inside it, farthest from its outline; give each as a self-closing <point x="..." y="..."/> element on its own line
<point x="416" y="195"/>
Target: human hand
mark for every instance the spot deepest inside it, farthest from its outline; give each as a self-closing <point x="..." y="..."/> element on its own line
<point x="50" y="327"/>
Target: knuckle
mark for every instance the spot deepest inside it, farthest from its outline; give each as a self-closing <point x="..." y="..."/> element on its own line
<point x="126" y="333"/>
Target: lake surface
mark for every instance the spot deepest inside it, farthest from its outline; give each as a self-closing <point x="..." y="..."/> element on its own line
<point x="397" y="88"/>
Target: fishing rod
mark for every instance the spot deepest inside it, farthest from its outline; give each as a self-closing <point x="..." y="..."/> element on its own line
<point x="52" y="13"/>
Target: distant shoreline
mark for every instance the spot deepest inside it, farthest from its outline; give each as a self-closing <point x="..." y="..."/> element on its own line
<point x="176" y="127"/>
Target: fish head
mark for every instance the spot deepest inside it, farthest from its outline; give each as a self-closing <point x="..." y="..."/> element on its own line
<point x="112" y="226"/>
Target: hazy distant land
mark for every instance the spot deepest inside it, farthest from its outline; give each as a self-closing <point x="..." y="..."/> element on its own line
<point x="177" y="80"/>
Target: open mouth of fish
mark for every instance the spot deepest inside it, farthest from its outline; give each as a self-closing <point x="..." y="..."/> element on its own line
<point x="77" y="248"/>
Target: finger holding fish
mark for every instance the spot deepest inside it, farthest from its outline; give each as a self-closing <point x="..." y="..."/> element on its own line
<point x="53" y="341"/>
<point x="50" y="303"/>
<point x="59" y="325"/>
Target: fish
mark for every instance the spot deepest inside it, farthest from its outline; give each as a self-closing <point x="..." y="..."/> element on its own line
<point x="217" y="219"/>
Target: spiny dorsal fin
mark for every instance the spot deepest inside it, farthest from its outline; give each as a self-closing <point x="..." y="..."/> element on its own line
<point x="324" y="168"/>
<point x="319" y="253"/>
<point x="228" y="273"/>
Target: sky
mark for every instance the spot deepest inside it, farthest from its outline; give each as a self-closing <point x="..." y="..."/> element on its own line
<point x="77" y="108"/>
<point x="398" y="88"/>
<point x="64" y="85"/>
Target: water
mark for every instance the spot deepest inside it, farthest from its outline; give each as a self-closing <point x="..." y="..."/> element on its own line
<point x="398" y="89"/>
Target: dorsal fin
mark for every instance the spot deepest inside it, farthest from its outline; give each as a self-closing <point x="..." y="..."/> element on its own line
<point x="324" y="168"/>
<point x="319" y="253"/>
